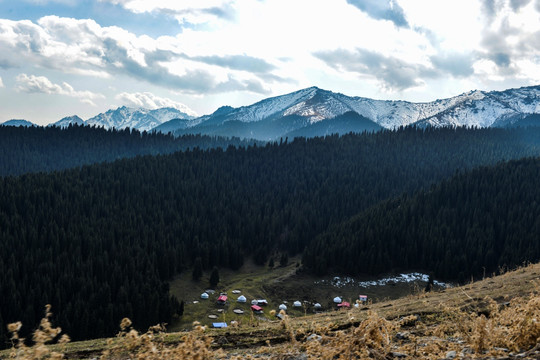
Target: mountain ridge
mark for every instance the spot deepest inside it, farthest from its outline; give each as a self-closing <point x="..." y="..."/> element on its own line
<point x="276" y="117"/>
<point x="475" y="108"/>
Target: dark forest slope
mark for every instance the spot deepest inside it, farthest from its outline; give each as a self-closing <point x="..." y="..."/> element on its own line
<point x="472" y="224"/>
<point x="34" y="149"/>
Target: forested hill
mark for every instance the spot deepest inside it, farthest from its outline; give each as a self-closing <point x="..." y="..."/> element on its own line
<point x="34" y="149"/>
<point x="472" y="224"/>
<point x="100" y="242"/>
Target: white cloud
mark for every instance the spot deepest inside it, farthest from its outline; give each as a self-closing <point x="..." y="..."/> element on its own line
<point x="45" y="2"/>
<point x="185" y="11"/>
<point x="150" y="101"/>
<point x="40" y="84"/>
<point x="249" y="49"/>
<point x="85" y="48"/>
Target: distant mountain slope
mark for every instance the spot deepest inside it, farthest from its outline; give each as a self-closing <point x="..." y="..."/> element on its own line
<point x="173" y="125"/>
<point x="276" y="117"/>
<point x="474" y="223"/>
<point x="521" y="120"/>
<point x="68" y="120"/>
<point x="342" y="124"/>
<point x="17" y="122"/>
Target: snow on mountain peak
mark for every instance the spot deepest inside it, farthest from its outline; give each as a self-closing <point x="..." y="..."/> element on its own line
<point x="473" y="108"/>
<point x="312" y="105"/>
<point x="141" y="118"/>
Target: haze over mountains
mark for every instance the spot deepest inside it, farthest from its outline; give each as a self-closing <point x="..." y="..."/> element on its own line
<point x="317" y="112"/>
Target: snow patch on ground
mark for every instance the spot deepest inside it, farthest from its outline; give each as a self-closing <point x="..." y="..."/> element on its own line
<point x="340" y="282"/>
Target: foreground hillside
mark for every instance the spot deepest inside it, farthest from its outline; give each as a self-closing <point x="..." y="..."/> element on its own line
<point x="495" y="318"/>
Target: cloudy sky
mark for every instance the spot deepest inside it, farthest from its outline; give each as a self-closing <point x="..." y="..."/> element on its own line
<point x="65" y="57"/>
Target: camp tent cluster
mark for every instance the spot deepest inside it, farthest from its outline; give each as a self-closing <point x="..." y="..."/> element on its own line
<point x="256" y="304"/>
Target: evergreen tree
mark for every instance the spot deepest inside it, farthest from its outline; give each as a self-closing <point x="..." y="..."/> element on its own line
<point x="197" y="269"/>
<point x="181" y="308"/>
<point x="284" y="260"/>
<point x="214" y="277"/>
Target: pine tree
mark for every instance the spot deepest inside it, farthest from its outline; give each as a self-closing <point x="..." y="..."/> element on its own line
<point x="214" y="277"/>
<point x="197" y="269"/>
<point x="284" y="260"/>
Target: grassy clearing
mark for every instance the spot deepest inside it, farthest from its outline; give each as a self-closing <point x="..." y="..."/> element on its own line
<point x="250" y="280"/>
<point x="277" y="285"/>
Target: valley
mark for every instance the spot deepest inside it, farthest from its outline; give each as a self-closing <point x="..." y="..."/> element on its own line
<point x="115" y="237"/>
<point x="280" y="285"/>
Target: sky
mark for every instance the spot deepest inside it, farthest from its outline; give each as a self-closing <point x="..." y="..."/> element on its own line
<point x="65" y="57"/>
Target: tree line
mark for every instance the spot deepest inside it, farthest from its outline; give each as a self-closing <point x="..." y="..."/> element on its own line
<point x="34" y="149"/>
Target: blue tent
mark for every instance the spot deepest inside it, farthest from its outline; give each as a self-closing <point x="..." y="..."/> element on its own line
<point x="219" y="325"/>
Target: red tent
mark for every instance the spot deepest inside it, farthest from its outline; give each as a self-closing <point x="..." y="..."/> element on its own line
<point x="222" y="299"/>
<point x="256" y="308"/>
<point x="344" y="304"/>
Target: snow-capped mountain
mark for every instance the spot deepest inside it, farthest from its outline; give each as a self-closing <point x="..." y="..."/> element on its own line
<point x="486" y="109"/>
<point x="315" y="112"/>
<point x="18" y="122"/>
<point x="297" y="112"/>
<point x="66" y="121"/>
<point x="141" y="119"/>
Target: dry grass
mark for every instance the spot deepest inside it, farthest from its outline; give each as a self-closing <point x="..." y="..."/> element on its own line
<point x="496" y="318"/>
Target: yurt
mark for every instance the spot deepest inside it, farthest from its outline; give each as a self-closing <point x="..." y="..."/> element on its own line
<point x="317" y="306"/>
<point x="241" y="299"/>
<point x="297" y="304"/>
<point x="282" y="307"/>
<point x="204" y="295"/>
<point x="337" y="300"/>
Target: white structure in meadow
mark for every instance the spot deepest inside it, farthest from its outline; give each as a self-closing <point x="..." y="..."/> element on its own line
<point x="282" y="307"/>
<point x="204" y="295"/>
<point x="241" y="299"/>
<point x="297" y="304"/>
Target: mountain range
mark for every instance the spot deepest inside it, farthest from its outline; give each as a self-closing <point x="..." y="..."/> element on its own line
<point x="314" y="111"/>
<point x="317" y="112"/>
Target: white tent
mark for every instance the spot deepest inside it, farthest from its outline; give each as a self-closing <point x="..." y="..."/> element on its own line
<point x="317" y="306"/>
<point x="337" y="300"/>
<point x="204" y="295"/>
<point x="282" y="307"/>
<point x="241" y="299"/>
<point x="254" y="302"/>
<point x="297" y="304"/>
